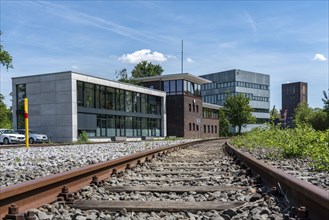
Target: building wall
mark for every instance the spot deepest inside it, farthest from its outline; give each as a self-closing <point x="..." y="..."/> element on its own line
<point x="191" y="116"/>
<point x="262" y="103"/>
<point x="182" y="120"/>
<point x="292" y="95"/>
<point x="50" y="104"/>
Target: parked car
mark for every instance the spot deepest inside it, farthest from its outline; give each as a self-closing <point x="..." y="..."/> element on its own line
<point x="34" y="136"/>
<point x="8" y="136"/>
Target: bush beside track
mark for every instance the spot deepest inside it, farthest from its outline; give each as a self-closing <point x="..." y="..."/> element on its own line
<point x="300" y="142"/>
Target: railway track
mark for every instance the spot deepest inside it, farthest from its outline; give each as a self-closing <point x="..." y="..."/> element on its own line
<point x="199" y="180"/>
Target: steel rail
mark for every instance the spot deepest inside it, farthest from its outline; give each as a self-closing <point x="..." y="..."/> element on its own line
<point x="312" y="200"/>
<point x="35" y="193"/>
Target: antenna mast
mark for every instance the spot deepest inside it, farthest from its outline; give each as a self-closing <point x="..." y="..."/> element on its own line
<point x="182" y="59"/>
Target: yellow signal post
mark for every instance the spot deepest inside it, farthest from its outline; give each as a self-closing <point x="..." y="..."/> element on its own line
<point x="26" y="117"/>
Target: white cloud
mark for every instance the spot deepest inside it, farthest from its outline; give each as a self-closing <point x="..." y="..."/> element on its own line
<point x="141" y="55"/>
<point x="227" y="44"/>
<point x="75" y="67"/>
<point x="190" y="60"/>
<point x="319" y="57"/>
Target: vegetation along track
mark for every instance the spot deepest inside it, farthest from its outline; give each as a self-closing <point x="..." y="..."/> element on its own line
<point x="198" y="182"/>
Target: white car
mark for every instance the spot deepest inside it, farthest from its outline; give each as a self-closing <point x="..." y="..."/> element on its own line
<point x="34" y="136"/>
<point x="8" y="136"/>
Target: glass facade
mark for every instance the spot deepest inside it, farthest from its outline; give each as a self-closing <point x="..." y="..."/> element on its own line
<point x="20" y="95"/>
<point x="123" y="113"/>
<point x="210" y="86"/>
<point x="210" y="113"/>
<point x="179" y="87"/>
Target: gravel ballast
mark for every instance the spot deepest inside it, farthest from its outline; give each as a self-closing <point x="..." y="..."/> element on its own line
<point x="19" y="164"/>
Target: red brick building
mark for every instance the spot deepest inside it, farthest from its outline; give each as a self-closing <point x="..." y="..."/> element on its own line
<point x="187" y="115"/>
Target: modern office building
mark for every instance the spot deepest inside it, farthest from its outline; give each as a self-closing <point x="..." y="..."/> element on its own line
<point x="187" y="115"/>
<point x="255" y="86"/>
<point x="292" y="95"/>
<point x="64" y="104"/>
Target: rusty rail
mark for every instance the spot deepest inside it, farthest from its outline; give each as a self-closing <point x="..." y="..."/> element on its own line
<point x="311" y="200"/>
<point x="35" y="193"/>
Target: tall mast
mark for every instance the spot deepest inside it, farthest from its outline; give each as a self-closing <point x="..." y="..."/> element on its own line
<point x="182" y="59"/>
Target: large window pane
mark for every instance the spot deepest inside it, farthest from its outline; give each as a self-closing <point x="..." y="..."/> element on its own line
<point x="110" y="126"/>
<point x="143" y="103"/>
<point x="166" y="87"/>
<point x="97" y="101"/>
<point x="179" y="86"/>
<point x="20" y="95"/>
<point x="158" y="128"/>
<point x="129" y="127"/>
<point x="102" y="97"/>
<point x="173" y="87"/>
<point x="185" y="87"/>
<point x="101" y="126"/>
<point x="120" y="100"/>
<point x="89" y="95"/>
<point x="110" y="98"/>
<point x="151" y="105"/>
<point x="144" y="127"/>
<point x="120" y="126"/>
<point x="129" y="104"/>
<point x="80" y="93"/>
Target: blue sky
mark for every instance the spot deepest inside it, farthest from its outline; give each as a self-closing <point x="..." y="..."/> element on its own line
<point x="286" y="39"/>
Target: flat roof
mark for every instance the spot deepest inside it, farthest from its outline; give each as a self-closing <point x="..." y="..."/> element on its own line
<point x="91" y="76"/>
<point x="186" y="76"/>
<point x="212" y="106"/>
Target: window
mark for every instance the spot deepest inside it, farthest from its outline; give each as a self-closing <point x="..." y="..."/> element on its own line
<point x="89" y="95"/>
<point x="193" y="107"/>
<point x="179" y="85"/>
<point x="129" y="126"/>
<point x="110" y="98"/>
<point x="120" y="100"/>
<point x="111" y="126"/>
<point x="166" y="87"/>
<point x="197" y="127"/>
<point x="190" y="126"/>
<point x="80" y="93"/>
<point x="143" y="103"/>
<point x="215" y="128"/>
<point x="120" y="126"/>
<point x="193" y="126"/>
<point x="212" y="129"/>
<point x="204" y="128"/>
<point x="197" y="108"/>
<point x="208" y="128"/>
<point x="172" y="87"/>
<point x="102" y="97"/>
<point x="189" y="107"/>
<point x="97" y="101"/>
<point x="129" y="102"/>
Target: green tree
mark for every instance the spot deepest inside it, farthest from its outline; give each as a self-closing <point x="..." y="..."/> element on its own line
<point x="5" y="58"/>
<point x="122" y="75"/>
<point x="316" y="118"/>
<point x="319" y="120"/>
<point x="326" y="104"/>
<point x="224" y="124"/>
<point x="146" y="69"/>
<point x="238" y="111"/>
<point x="5" y="120"/>
<point x="303" y="114"/>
